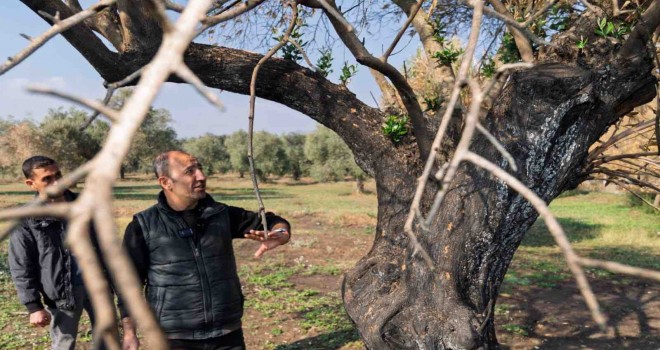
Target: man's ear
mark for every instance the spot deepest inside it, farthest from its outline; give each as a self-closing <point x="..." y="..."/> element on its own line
<point x="165" y="182"/>
<point x="30" y="183"/>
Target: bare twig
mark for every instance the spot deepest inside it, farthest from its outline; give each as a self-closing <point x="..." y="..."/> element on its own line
<point x="589" y="6"/>
<point x="635" y="194"/>
<point x="230" y="14"/>
<point x="57" y="28"/>
<point x="523" y="29"/>
<point x="108" y="96"/>
<point x="626" y="176"/>
<point x="504" y="69"/>
<point x="59" y="210"/>
<point x="103" y="176"/>
<point x="95" y="280"/>
<point x="398" y="36"/>
<point x="191" y="78"/>
<point x="330" y="10"/>
<point x="616" y="10"/>
<point x="303" y="53"/>
<point x="620" y="268"/>
<point x="171" y="5"/>
<point x="112" y="114"/>
<point x="52" y="192"/>
<point x="55" y="19"/>
<point x="615" y="138"/>
<point x="607" y="158"/>
<point x="253" y="91"/>
<point x="462" y="76"/>
<point x="498" y="146"/>
<point x="129" y="78"/>
<point x="461" y="149"/>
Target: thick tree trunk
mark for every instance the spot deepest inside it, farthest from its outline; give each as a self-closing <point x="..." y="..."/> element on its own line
<point x="546" y="118"/>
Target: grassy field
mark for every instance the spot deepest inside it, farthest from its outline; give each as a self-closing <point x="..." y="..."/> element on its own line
<point x="292" y="294"/>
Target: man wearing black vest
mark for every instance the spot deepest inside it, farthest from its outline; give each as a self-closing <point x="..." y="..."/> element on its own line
<point x="182" y="250"/>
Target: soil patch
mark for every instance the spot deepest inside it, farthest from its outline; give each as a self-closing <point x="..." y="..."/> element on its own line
<point x="527" y="317"/>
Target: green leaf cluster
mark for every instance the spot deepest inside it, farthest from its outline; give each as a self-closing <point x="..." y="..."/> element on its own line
<point x="432" y="104"/>
<point x="607" y="28"/>
<point x="488" y="69"/>
<point x="447" y="55"/>
<point x="395" y="127"/>
<point x="347" y="72"/>
<point x="508" y="52"/>
<point x="289" y="50"/>
<point x="324" y="63"/>
<point x="439" y="31"/>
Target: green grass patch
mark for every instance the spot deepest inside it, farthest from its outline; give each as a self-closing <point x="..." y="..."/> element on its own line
<point x="515" y="329"/>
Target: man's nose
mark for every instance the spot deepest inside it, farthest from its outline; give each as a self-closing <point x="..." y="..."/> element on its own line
<point x="200" y="175"/>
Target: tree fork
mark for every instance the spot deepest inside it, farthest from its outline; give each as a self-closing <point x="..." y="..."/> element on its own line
<point x="554" y="113"/>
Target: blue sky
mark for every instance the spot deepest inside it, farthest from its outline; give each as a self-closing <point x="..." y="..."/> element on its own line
<point x="58" y="65"/>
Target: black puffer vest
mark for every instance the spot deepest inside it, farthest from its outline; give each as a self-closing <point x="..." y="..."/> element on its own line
<point x="192" y="285"/>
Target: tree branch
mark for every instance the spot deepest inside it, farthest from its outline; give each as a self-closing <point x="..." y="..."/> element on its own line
<point x="620" y="268"/>
<point x="403" y="29"/>
<point x="522" y="29"/>
<point x="110" y="113"/>
<point x="57" y="28"/>
<point x="189" y="77"/>
<point x="522" y="42"/>
<point x="140" y="25"/>
<point x="81" y="37"/>
<point x="95" y="280"/>
<point x="635" y="45"/>
<point x="230" y="14"/>
<point x="58" y="210"/>
<point x="421" y="129"/>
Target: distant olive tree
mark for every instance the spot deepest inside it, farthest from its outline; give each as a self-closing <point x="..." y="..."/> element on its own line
<point x="62" y="138"/>
<point x="154" y="136"/>
<point x="331" y="158"/>
<point x="18" y="140"/>
<point x="270" y="155"/>
<point x="236" y="145"/>
<point x="211" y="151"/>
<point x="294" y="147"/>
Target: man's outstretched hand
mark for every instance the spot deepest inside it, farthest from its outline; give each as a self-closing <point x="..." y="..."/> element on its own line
<point x="276" y="237"/>
<point x="40" y="318"/>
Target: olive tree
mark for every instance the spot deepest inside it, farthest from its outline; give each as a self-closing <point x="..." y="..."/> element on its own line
<point x="450" y="218"/>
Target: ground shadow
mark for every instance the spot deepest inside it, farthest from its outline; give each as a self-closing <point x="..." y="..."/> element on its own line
<point x="326" y="341"/>
<point x="576" y="231"/>
<point x="556" y="318"/>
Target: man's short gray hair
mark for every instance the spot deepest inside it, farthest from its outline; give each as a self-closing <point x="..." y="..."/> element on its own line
<point x="162" y="162"/>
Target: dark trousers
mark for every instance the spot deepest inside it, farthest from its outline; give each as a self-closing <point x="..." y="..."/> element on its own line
<point x="64" y="323"/>
<point x="231" y="341"/>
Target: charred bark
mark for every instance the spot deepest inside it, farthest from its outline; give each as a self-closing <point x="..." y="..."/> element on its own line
<point x="547" y="118"/>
